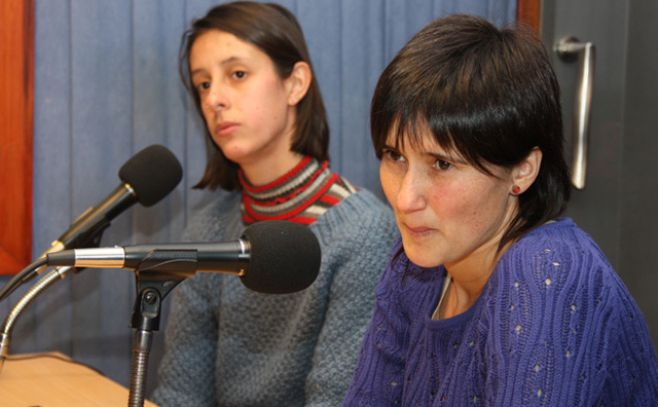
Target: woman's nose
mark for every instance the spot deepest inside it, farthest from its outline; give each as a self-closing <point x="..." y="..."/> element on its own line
<point x="412" y="193"/>
<point x="217" y="99"/>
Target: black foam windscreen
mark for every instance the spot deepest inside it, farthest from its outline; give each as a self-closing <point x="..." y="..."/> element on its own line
<point x="285" y="257"/>
<point x="153" y="172"/>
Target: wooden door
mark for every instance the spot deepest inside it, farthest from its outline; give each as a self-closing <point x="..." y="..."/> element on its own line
<point x="16" y="82"/>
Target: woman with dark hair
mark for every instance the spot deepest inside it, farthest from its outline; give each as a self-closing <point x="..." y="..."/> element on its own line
<point x="250" y="74"/>
<point x="490" y="298"/>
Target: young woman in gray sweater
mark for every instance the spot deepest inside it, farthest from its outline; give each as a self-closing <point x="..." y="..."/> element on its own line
<point x="250" y="74"/>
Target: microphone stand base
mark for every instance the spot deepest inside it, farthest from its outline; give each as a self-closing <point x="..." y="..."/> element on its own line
<point x="151" y="290"/>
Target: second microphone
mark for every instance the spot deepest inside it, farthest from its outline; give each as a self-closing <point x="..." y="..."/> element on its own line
<point x="274" y="257"/>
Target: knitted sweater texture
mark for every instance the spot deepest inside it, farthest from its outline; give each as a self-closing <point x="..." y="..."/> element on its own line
<point x="228" y="346"/>
<point x="554" y="326"/>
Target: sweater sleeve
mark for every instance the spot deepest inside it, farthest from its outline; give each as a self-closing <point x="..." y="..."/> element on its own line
<point x="378" y="378"/>
<point x="358" y="252"/>
<point x="190" y="347"/>
<point x="632" y="368"/>
<point x="560" y="317"/>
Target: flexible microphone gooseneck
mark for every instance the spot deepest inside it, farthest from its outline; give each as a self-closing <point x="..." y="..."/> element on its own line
<point x="272" y="257"/>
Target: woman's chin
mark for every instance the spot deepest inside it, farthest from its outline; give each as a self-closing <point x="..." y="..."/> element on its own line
<point x="236" y="154"/>
<point x="422" y="259"/>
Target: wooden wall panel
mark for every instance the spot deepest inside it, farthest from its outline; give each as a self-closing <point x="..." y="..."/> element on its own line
<point x="528" y="13"/>
<point x="16" y="110"/>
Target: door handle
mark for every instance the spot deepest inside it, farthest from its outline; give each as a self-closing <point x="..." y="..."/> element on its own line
<point x="569" y="49"/>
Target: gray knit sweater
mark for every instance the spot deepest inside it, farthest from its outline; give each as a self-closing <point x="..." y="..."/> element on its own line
<point x="228" y="346"/>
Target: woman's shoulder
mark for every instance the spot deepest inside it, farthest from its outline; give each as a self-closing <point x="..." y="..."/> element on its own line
<point x="559" y="257"/>
<point x="210" y="219"/>
<point x="361" y="203"/>
<point x="555" y="298"/>
<point x="561" y="237"/>
<point x="356" y="237"/>
<point x="361" y="216"/>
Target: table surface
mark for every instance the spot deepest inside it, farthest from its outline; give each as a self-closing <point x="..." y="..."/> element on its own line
<point x="54" y="380"/>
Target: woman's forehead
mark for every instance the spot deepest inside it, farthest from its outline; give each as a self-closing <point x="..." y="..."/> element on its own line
<point x="419" y="137"/>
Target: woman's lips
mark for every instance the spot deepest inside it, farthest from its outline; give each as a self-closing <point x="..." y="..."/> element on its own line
<point x="418" y="230"/>
<point x="225" y="128"/>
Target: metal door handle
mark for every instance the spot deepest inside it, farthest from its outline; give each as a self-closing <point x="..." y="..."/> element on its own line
<point x="568" y="48"/>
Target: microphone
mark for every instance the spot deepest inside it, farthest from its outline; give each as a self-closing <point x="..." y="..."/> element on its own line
<point x="147" y="177"/>
<point x="272" y="257"/>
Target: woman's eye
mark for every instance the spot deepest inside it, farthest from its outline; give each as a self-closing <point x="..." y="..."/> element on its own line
<point x="239" y="74"/>
<point x="392" y="155"/>
<point x="442" y="165"/>
<point x="201" y="86"/>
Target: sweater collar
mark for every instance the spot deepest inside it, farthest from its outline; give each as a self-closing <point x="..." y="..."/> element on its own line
<point x="286" y="195"/>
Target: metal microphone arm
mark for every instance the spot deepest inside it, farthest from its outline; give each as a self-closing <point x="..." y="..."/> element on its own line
<point x="46" y="281"/>
<point x="7" y="326"/>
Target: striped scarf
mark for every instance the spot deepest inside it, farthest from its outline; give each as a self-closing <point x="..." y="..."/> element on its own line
<point x="302" y="195"/>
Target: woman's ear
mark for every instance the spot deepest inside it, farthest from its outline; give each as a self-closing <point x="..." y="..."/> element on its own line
<point x="525" y="172"/>
<point x="298" y="82"/>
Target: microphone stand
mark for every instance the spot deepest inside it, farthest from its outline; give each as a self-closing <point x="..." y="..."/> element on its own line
<point x="8" y="324"/>
<point x="152" y="288"/>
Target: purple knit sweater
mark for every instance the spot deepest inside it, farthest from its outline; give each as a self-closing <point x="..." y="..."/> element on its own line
<point x="554" y="326"/>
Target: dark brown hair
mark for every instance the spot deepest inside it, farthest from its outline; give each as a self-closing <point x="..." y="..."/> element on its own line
<point x="490" y="95"/>
<point x="275" y="31"/>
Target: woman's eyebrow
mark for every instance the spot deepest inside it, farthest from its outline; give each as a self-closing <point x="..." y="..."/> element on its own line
<point x="224" y="62"/>
<point x="197" y="71"/>
<point x="445" y="157"/>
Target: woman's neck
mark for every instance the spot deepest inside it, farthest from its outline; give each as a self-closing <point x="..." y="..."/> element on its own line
<point x="267" y="170"/>
<point x="473" y="272"/>
<point x="468" y="281"/>
<point x="470" y="275"/>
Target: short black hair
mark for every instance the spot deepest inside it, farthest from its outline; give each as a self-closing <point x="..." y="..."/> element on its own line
<point x="274" y="30"/>
<point x="488" y="94"/>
